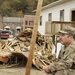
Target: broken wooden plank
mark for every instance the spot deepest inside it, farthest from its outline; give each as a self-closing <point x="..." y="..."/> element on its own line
<point x="3" y="59"/>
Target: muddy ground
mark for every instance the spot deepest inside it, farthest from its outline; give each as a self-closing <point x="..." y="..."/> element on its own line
<point x="20" y="71"/>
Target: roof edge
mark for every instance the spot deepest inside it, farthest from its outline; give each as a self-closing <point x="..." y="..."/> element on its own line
<point x="54" y="3"/>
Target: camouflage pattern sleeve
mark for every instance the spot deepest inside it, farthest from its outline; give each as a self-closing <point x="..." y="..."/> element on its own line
<point x="66" y="61"/>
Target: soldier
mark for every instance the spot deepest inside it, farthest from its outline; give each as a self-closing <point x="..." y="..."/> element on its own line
<point x="65" y="65"/>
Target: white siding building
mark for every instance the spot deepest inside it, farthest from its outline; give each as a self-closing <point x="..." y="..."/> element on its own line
<point x="61" y="10"/>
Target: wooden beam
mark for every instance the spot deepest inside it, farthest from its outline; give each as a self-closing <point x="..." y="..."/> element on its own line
<point x="33" y="40"/>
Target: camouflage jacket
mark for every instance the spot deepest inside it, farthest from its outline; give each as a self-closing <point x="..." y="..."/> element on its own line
<point x="66" y="60"/>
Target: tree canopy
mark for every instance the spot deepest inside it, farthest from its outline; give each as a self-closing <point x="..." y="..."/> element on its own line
<point x="19" y="7"/>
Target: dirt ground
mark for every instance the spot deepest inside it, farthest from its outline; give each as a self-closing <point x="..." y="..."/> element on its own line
<point x="20" y="71"/>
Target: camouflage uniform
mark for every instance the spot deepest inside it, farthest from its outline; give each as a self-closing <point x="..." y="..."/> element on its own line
<point x="65" y="65"/>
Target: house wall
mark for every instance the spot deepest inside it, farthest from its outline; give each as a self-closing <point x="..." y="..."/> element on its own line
<point x="28" y="19"/>
<point x="67" y="6"/>
<point x="12" y="22"/>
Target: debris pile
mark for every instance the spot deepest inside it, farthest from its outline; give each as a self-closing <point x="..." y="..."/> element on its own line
<point x="18" y="48"/>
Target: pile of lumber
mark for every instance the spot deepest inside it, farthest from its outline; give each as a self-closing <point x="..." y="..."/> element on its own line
<point x="20" y="46"/>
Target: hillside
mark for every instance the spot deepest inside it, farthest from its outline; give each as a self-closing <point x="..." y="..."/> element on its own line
<point x="19" y="7"/>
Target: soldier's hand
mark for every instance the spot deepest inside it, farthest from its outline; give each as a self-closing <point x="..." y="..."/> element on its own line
<point x="46" y="69"/>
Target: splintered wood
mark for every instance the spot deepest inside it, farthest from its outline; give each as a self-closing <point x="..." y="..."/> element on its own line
<point x="21" y="44"/>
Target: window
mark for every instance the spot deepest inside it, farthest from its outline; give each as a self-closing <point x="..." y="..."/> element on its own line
<point x="26" y="22"/>
<point x="62" y="15"/>
<point x="50" y="17"/>
<point x="30" y="22"/>
<point x="40" y="20"/>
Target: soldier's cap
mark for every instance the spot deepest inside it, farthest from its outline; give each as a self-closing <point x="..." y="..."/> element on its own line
<point x="68" y="30"/>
